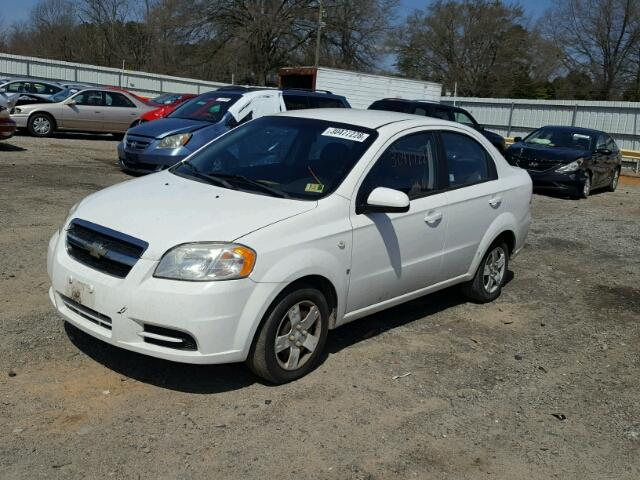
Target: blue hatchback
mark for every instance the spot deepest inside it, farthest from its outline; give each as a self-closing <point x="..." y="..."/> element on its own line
<point x="154" y="146"/>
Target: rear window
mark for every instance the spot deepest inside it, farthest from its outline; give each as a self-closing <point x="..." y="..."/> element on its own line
<point x="325" y="102"/>
<point x="208" y="108"/>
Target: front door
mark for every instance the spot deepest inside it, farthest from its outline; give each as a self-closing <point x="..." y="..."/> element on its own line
<point x="474" y="202"/>
<point x="398" y="253"/>
<point x="85" y="113"/>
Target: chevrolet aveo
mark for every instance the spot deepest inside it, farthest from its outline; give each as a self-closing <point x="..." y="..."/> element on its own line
<point x="259" y="243"/>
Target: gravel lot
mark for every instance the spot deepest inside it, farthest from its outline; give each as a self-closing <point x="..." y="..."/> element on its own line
<point x="542" y="383"/>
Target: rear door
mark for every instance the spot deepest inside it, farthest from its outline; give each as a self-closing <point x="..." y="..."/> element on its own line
<point x="475" y="199"/>
<point x="119" y="112"/>
<point x="86" y="114"/>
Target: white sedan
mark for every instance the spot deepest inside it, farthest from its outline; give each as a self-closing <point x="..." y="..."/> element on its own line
<point x="262" y="241"/>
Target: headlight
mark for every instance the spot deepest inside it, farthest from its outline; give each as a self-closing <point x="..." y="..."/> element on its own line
<point x="201" y="262"/>
<point x="174" y="141"/>
<point x="570" y="167"/>
<point x="16" y="110"/>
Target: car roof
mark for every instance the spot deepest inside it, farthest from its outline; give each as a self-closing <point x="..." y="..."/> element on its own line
<point x="574" y="129"/>
<point x="372" y="119"/>
<point x="310" y="93"/>
<point x="25" y="79"/>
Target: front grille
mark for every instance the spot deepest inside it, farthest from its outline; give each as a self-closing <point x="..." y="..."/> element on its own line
<point x="137" y="143"/>
<point x="187" y="342"/>
<point x="151" y="167"/>
<point x="103" y="249"/>
<point x="86" y="312"/>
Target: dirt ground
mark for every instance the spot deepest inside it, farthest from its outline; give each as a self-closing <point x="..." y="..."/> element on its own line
<point x="542" y="383"/>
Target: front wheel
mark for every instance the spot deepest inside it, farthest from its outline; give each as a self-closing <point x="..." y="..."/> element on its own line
<point x="40" y="125"/>
<point x="491" y="275"/>
<point x="585" y="191"/>
<point x="291" y="339"/>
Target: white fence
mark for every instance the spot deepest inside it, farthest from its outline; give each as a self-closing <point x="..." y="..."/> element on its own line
<point x="141" y="82"/>
<point x="516" y="117"/>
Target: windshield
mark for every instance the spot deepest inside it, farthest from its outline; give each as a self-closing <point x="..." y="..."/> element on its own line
<point x="63" y="95"/>
<point x="208" y="108"/>
<point x="166" y="99"/>
<point x="281" y="156"/>
<point x="560" y="137"/>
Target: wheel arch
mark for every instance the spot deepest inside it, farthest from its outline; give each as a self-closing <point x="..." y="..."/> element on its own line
<point x="504" y="228"/>
<point x="44" y="112"/>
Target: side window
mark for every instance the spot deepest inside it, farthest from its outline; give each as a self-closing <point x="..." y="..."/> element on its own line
<point x="296" y="102"/>
<point x="462" y="117"/>
<point x="117" y="100"/>
<point x="44" y="89"/>
<point x="443" y="113"/>
<point x="611" y="144"/>
<point x="89" y="98"/>
<point x="16" y="87"/>
<point x="321" y="102"/>
<point x="602" y="143"/>
<point x="408" y="165"/>
<point x="467" y="161"/>
<point x="420" y="111"/>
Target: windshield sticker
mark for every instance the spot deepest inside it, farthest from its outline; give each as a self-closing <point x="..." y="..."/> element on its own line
<point x="314" y="187"/>
<point x="345" y="134"/>
<point x="223" y="99"/>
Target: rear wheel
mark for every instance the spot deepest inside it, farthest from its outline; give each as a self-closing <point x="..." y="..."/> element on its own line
<point x="489" y="279"/>
<point x="291" y="339"/>
<point x="613" y="184"/>
<point x="41" y="125"/>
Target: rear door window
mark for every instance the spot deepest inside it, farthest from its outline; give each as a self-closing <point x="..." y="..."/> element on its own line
<point x="44" y="88"/>
<point x="113" y="99"/>
<point x="468" y="162"/>
<point x="443" y="113"/>
<point x="390" y="106"/>
<point x="325" y="102"/>
<point x="296" y="102"/>
<point x="89" y="97"/>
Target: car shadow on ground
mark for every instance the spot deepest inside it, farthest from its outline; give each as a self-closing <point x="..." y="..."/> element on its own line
<point x="8" y="147"/>
<point x="210" y="379"/>
<point x="404" y="314"/>
<point x="73" y="136"/>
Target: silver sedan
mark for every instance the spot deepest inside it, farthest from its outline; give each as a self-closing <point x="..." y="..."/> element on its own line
<point x="95" y="110"/>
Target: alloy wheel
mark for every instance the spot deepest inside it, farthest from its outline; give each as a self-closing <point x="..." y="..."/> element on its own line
<point x="586" y="189"/>
<point x="494" y="269"/>
<point x="298" y="335"/>
<point x="41" y="125"/>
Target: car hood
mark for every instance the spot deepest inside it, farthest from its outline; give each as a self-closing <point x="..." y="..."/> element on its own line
<point x="522" y="151"/>
<point x="169" y="126"/>
<point x="492" y="136"/>
<point x="166" y="210"/>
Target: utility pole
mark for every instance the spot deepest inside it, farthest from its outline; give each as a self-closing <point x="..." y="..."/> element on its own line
<point x="318" y="33"/>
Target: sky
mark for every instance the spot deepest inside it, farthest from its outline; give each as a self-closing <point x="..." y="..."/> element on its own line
<point x="18" y="10"/>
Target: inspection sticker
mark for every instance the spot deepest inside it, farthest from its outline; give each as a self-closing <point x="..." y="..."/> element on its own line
<point x="314" y="187"/>
<point x="345" y="134"/>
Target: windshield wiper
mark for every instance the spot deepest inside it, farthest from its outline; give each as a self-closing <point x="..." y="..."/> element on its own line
<point x="208" y="178"/>
<point x="249" y="181"/>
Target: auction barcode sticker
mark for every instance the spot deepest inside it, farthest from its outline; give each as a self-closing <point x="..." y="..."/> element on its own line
<point x="345" y="134"/>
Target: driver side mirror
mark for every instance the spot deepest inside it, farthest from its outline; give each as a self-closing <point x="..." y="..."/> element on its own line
<point x="517" y="139"/>
<point x="386" y="200"/>
<point x="71" y="102"/>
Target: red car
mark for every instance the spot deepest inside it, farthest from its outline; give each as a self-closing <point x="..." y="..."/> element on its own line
<point x="7" y="126"/>
<point x="167" y="103"/>
<point x="118" y="89"/>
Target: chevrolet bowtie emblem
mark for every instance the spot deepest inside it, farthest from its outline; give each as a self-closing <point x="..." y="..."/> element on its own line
<point x="97" y="250"/>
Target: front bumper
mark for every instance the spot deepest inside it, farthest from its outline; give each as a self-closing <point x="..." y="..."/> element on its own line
<point x="150" y="159"/>
<point x="552" y="180"/>
<point x="221" y="317"/>
<point x="21" y="120"/>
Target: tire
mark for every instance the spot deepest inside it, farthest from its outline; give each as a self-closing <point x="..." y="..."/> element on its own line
<point x="585" y="190"/>
<point x="41" y="125"/>
<point x="613" y="184"/>
<point x="481" y="289"/>
<point x="280" y="326"/>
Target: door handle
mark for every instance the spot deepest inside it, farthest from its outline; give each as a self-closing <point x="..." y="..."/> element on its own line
<point x="433" y="218"/>
<point x="495" y="202"/>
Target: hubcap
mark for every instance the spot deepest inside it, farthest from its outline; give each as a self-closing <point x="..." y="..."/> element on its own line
<point x="494" y="268"/>
<point x="298" y="335"/>
<point x="41" y="125"/>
